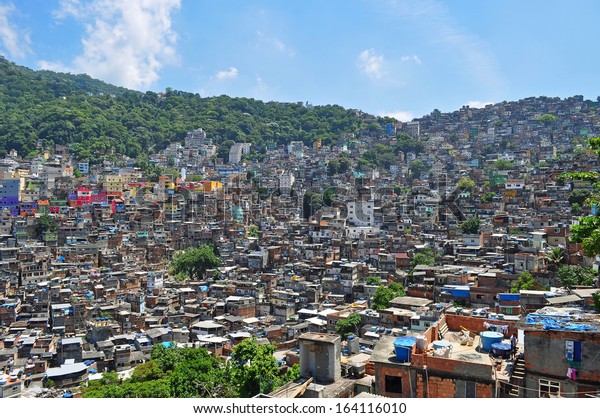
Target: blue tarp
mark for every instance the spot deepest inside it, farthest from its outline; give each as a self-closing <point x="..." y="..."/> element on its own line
<point x="558" y="323"/>
<point x="509" y="296"/>
<point x="460" y="293"/>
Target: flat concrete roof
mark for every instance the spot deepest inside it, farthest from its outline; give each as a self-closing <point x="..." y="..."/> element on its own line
<point x="383" y="352"/>
<point x="315" y="336"/>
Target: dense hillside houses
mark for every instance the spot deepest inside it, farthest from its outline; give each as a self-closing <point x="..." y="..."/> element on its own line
<point x="425" y="259"/>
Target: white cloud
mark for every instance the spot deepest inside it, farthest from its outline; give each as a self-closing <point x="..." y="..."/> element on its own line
<point x="402" y="116"/>
<point x="14" y="40"/>
<point x="408" y="58"/>
<point x="275" y="43"/>
<point x="54" y="66"/>
<point x="477" y="104"/>
<point x="436" y="23"/>
<point x="262" y="90"/>
<point x="227" y="74"/>
<point x="125" y="42"/>
<point x="73" y="8"/>
<point x="371" y="64"/>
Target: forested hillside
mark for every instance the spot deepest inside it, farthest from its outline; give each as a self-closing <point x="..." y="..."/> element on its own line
<point x="94" y="118"/>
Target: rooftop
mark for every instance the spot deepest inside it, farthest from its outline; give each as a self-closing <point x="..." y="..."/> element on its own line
<point x="317" y="337"/>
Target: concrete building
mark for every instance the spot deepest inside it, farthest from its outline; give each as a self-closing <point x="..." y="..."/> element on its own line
<point x="559" y="360"/>
<point x="320" y="356"/>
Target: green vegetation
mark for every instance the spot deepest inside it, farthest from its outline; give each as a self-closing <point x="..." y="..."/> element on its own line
<point x="373" y="281"/>
<point x="338" y="166"/>
<point x="406" y="143"/>
<point x="193" y="262"/>
<point x="466" y="183"/>
<point x="503" y="164"/>
<point x="471" y="226"/>
<point x="525" y="282"/>
<point x="578" y="196"/>
<point x="487" y="197"/>
<point x="347" y="326"/>
<point x="555" y="257"/>
<point x="596" y="299"/>
<point x="195" y="373"/>
<point x="254" y="370"/>
<point x="383" y="295"/>
<point x="416" y="168"/>
<point x="587" y="233"/>
<point x="253" y="231"/>
<point x="425" y="257"/>
<point x="571" y="276"/>
<point x="99" y="121"/>
<point x="381" y="155"/>
<point x="311" y="203"/>
<point x="46" y="223"/>
<point x="547" y="118"/>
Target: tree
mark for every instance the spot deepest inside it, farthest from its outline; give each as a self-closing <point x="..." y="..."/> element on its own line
<point x="525" y="282"/>
<point x="471" y="226"/>
<point x="311" y="203"/>
<point x="578" y="196"/>
<point x="46" y="223"/>
<point x="373" y="281"/>
<point x="465" y="183"/>
<point x="547" y="119"/>
<point x="587" y="232"/>
<point x="253" y="231"/>
<point x="150" y="370"/>
<point x="383" y="295"/>
<point x="555" y="257"/>
<point x="254" y="369"/>
<point x="425" y="257"/>
<point x="194" y="262"/>
<point x="596" y="299"/>
<point x="349" y="325"/>
<point x="487" y="197"/>
<point x="416" y="168"/>
<point x="571" y="276"/>
<point x="503" y="164"/>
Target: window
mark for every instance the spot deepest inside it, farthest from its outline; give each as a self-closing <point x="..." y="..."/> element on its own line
<point x="464" y="389"/>
<point x="549" y="387"/>
<point x="393" y="384"/>
<point x="573" y="351"/>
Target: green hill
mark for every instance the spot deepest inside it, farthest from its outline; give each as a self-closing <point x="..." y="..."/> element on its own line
<point x="95" y="119"/>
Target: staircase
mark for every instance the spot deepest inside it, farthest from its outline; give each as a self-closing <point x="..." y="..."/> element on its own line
<point x="517" y="378"/>
<point x="443" y="330"/>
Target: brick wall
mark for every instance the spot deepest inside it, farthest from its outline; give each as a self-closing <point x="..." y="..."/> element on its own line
<point x="439" y="387"/>
<point x="542" y="345"/>
<point x="383" y="370"/>
<point x="455" y="322"/>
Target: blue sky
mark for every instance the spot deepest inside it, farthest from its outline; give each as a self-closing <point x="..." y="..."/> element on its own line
<point x="387" y="57"/>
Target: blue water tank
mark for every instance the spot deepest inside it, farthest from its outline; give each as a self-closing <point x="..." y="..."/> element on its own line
<point x="403" y="347"/>
<point x="501" y="350"/>
<point x="488" y="338"/>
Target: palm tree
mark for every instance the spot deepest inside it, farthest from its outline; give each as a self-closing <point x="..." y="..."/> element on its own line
<point x="555" y="257"/>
